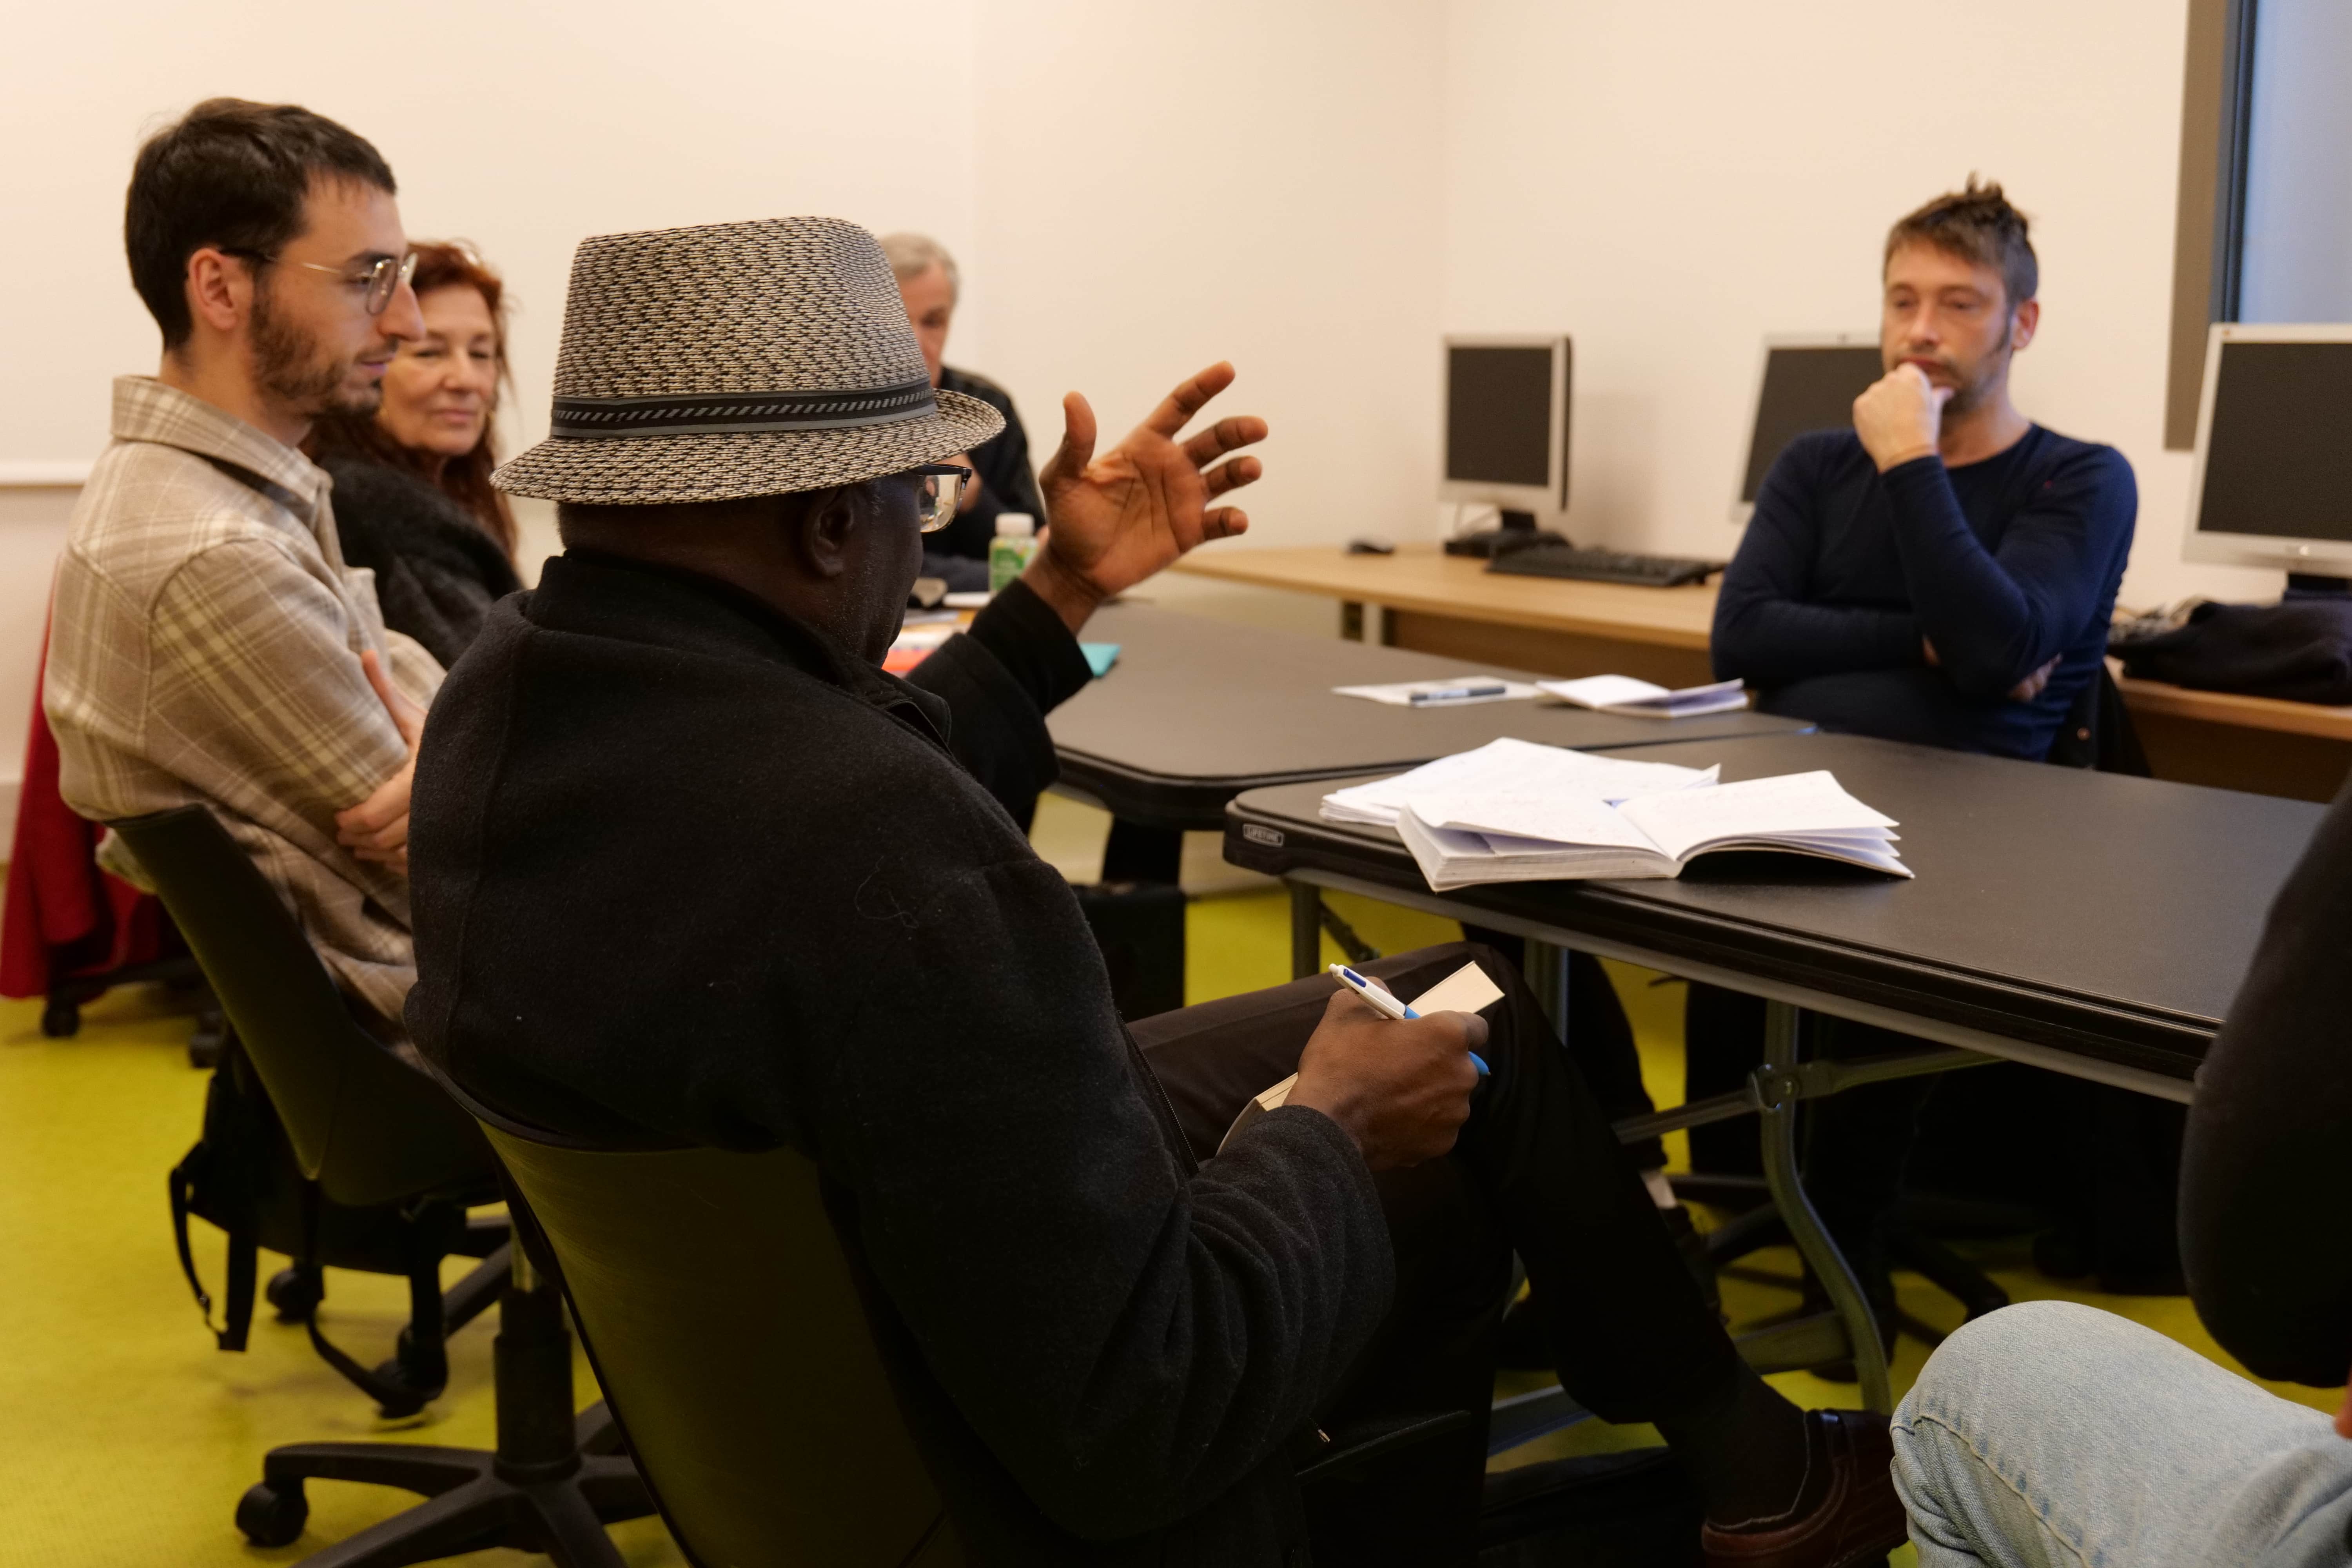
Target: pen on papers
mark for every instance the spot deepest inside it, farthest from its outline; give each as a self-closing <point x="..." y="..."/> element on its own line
<point x="1387" y="1005"/>
<point x="1458" y="693"/>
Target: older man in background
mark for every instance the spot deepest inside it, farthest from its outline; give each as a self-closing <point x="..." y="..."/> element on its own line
<point x="931" y="287"/>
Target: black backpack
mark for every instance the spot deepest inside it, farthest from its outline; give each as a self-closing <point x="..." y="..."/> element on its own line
<point x="242" y="1178"/>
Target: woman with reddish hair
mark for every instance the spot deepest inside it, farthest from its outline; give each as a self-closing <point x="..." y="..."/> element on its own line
<point x="413" y="496"/>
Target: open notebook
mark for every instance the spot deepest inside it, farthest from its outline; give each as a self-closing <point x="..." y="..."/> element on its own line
<point x="1462" y="838"/>
<point x="1513" y="811"/>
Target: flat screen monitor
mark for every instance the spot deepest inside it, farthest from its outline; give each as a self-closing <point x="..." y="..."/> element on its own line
<point x="1806" y="383"/>
<point x="1506" y="423"/>
<point x="2274" y="476"/>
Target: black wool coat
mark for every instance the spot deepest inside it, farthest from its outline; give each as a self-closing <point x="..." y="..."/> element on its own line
<point x="2265" y="1154"/>
<point x="684" y="871"/>
<point x="438" y="571"/>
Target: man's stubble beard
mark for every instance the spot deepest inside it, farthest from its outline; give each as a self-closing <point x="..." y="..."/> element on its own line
<point x="295" y="372"/>
<point x="1991" y="370"/>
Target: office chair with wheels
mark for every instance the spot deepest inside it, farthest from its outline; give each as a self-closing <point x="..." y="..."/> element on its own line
<point x="364" y="1128"/>
<point x="2097" y="736"/>
<point x="725" y="1321"/>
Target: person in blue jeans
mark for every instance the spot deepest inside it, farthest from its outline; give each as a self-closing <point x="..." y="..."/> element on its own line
<point x="2054" y="1434"/>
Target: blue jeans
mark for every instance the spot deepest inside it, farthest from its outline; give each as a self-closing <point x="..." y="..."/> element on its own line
<point x="2055" y="1436"/>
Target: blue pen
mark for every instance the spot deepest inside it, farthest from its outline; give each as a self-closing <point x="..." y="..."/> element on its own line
<point x="1457" y="693"/>
<point x="1386" y="1004"/>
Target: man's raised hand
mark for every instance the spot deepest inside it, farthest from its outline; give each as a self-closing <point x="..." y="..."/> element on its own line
<point x="1116" y="518"/>
<point x="1900" y="417"/>
<point x="377" y="828"/>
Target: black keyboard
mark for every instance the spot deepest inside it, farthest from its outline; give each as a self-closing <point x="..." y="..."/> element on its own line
<point x="1602" y="566"/>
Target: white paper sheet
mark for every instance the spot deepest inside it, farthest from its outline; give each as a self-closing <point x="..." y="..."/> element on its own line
<point x="1510" y="767"/>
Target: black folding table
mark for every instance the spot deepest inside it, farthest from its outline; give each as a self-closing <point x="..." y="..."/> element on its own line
<point x="2089" y="923"/>
<point x="1198" y="710"/>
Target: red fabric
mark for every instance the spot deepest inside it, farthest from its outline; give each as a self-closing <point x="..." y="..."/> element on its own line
<point x="64" y="916"/>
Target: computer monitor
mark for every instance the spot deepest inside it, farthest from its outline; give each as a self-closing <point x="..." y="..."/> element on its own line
<point x="1506" y="424"/>
<point x="1806" y="383"/>
<point x="2274" y="476"/>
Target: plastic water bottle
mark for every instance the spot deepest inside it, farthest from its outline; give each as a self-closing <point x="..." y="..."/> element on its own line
<point x="1009" y="551"/>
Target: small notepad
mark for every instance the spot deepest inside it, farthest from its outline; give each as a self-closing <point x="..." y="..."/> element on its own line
<point x="1631" y="699"/>
<point x="1466" y="990"/>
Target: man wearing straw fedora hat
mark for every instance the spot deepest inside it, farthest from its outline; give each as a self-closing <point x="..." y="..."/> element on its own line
<point x="668" y="886"/>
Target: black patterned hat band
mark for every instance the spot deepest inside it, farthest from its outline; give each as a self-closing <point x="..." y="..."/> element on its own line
<point x="738" y="360"/>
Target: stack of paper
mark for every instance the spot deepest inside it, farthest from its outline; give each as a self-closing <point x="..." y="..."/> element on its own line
<point x="1622" y="694"/>
<point x="1508" y="767"/>
<point x="1513" y="812"/>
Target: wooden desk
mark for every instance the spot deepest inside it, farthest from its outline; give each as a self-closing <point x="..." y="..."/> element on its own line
<point x="1448" y="604"/>
<point x="2299" y="750"/>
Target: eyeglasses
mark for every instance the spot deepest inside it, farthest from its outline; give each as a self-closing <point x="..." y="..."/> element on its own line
<point x="943" y="485"/>
<point x="382" y="278"/>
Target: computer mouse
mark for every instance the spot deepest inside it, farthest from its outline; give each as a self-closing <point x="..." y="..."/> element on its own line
<point x="1371" y="547"/>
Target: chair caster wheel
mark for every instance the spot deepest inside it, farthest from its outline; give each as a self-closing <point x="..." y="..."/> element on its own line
<point x="294" y="1295"/>
<point x="61" y="1019"/>
<point x="403" y="1401"/>
<point x="418" y="1378"/>
<point x="270" y="1514"/>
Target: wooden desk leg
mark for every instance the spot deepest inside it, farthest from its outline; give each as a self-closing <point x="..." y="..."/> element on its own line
<point x="1351" y="619"/>
<point x="1306" y="930"/>
<point x="1777" y="1091"/>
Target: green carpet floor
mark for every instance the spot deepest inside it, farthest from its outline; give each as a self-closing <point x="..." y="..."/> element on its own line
<point x="125" y="1439"/>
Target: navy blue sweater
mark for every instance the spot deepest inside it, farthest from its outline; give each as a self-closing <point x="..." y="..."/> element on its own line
<point x="2001" y="564"/>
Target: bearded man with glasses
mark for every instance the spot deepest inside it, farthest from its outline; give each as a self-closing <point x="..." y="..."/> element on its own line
<point x="207" y="641"/>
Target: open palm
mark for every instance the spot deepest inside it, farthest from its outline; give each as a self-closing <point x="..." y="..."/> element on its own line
<point x="1117" y="519"/>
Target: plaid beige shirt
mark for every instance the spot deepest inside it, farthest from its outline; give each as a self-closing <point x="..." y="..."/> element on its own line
<point x="204" y="647"/>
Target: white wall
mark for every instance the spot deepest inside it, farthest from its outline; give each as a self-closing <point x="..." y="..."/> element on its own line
<point x="1670" y="183"/>
<point x="1242" y="180"/>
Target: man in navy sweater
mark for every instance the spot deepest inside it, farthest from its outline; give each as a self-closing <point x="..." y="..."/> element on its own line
<point x="1942" y="574"/>
<point x="1943" y="571"/>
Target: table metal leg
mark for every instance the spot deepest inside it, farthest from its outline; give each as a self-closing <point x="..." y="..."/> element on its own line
<point x="1547" y="973"/>
<point x="1306" y="930"/>
<point x="1777" y="1091"/>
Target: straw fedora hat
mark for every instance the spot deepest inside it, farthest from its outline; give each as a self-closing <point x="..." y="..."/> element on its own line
<point x="736" y="360"/>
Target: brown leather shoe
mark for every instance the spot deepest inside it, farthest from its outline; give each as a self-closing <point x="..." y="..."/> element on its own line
<point x="1861" y="1520"/>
